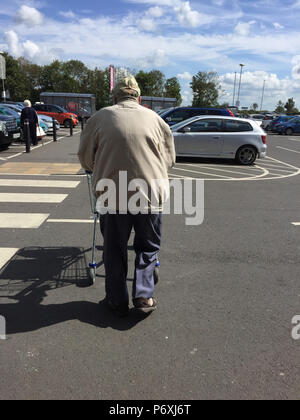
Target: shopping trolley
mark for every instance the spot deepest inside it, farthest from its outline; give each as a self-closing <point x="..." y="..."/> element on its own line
<point x="93" y="264"/>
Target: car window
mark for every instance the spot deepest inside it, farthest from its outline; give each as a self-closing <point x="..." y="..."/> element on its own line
<point x="178" y="115"/>
<point x="195" y="112"/>
<point x="236" y="126"/>
<point x="206" y="126"/>
<point x="51" y="108"/>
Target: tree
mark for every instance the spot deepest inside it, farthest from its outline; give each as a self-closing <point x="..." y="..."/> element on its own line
<point x="17" y="82"/>
<point x="290" y="107"/>
<point x="151" y="83"/>
<point x="205" y="86"/>
<point x="280" y="108"/>
<point x="254" y="106"/>
<point x="172" y="89"/>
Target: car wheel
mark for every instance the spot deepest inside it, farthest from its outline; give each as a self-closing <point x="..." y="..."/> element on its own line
<point x="67" y="123"/>
<point x="246" y="155"/>
<point x="289" y="132"/>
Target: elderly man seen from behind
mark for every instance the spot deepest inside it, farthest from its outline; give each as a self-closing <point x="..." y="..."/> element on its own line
<point x="129" y="145"/>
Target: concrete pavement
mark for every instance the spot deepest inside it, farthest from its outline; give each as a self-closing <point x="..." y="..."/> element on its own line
<point x="228" y="292"/>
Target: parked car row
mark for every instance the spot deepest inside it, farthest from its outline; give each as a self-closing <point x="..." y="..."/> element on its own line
<point x="10" y="123"/>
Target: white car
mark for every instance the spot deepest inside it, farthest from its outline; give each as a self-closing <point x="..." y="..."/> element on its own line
<point x="213" y="136"/>
<point x="48" y="120"/>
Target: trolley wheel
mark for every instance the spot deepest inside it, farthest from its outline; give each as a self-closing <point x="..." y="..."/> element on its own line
<point x="156" y="275"/>
<point x="92" y="275"/>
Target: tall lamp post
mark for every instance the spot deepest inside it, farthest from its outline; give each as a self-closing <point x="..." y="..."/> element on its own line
<point x="238" y="99"/>
<point x="262" y="96"/>
<point x="2" y="74"/>
<point x="234" y="86"/>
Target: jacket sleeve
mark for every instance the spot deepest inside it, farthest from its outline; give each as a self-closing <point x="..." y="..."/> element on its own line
<point x="35" y="116"/>
<point x="169" y="146"/>
<point x="88" y="146"/>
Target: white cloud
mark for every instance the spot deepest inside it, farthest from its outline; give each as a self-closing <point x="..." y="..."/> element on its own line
<point x="155" y="12"/>
<point x="252" y="83"/>
<point x="12" y="41"/>
<point x="243" y="28"/>
<point x="185" y="76"/>
<point x="155" y="60"/>
<point x="186" y="16"/>
<point x="296" y="67"/>
<point x="28" y="49"/>
<point x="68" y="15"/>
<point x="147" y="24"/>
<point x="29" y="16"/>
<point x="278" y="26"/>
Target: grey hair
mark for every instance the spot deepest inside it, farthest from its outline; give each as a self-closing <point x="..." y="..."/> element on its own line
<point x="27" y="103"/>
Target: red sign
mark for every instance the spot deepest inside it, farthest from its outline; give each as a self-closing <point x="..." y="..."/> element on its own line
<point x="112" y="77"/>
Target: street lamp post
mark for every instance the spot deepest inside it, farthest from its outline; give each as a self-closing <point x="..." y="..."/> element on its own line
<point x="2" y="74"/>
<point x="262" y="96"/>
<point x="238" y="99"/>
<point x="234" y="89"/>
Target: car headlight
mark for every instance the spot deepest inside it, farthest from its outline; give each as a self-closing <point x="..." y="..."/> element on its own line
<point x="2" y="126"/>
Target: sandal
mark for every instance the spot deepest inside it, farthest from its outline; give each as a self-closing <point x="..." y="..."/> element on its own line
<point x="142" y="305"/>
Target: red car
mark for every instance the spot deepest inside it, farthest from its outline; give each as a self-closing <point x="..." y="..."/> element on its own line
<point x="64" y="117"/>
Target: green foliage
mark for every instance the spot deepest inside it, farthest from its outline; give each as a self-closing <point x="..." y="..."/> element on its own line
<point x="17" y="81"/>
<point x="172" y="89"/>
<point x="205" y="86"/>
<point x="26" y="80"/>
<point x="151" y="83"/>
<point x="290" y="107"/>
<point x="255" y="107"/>
<point x="280" y="108"/>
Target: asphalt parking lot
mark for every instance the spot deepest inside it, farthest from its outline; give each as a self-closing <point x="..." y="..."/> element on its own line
<point x="228" y="292"/>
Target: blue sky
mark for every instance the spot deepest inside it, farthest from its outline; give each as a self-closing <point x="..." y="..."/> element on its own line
<point x="177" y="37"/>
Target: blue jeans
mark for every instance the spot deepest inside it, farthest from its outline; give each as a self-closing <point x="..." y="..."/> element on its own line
<point x="117" y="229"/>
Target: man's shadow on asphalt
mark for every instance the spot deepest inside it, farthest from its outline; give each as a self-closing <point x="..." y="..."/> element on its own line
<point x="33" y="273"/>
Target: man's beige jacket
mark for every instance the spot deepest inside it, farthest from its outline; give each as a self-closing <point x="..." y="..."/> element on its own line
<point x="130" y="138"/>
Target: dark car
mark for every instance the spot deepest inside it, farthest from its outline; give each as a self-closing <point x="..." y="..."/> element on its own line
<point x="289" y="127"/>
<point x="176" y="115"/>
<point x="279" y="120"/>
<point x="9" y="131"/>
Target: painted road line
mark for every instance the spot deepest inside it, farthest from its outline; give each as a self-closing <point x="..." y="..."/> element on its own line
<point x="38" y="183"/>
<point x="296" y="223"/>
<point x="22" y="220"/>
<point x="32" y="198"/>
<point x="289" y="150"/>
<point x="70" y="221"/>
<point x="6" y="254"/>
<point x="199" y="172"/>
<point x="222" y="170"/>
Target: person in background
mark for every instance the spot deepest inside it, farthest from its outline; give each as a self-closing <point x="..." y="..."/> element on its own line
<point x="29" y="113"/>
<point x="129" y="138"/>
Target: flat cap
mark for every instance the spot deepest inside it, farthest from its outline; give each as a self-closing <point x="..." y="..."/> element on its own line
<point x="127" y="86"/>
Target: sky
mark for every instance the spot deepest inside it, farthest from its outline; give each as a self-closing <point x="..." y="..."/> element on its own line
<point x="178" y="37"/>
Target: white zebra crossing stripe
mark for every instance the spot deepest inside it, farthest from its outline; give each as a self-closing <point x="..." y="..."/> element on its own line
<point x="22" y="220"/>
<point x="70" y="221"/>
<point x="6" y="254"/>
<point x="38" y="183"/>
<point x="296" y="224"/>
<point x="32" y="198"/>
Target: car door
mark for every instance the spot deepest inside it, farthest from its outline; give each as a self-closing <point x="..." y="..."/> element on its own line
<point x="297" y="126"/>
<point x="202" y="137"/>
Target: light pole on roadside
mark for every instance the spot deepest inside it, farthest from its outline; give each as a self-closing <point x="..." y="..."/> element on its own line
<point x="238" y="99"/>
<point x="234" y="86"/>
<point x="2" y="74"/>
<point x="262" y="96"/>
